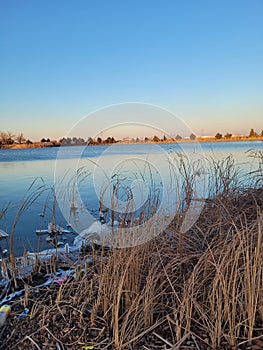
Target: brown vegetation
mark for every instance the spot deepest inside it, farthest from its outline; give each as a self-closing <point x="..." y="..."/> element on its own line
<point x="202" y="289"/>
<point x="199" y="290"/>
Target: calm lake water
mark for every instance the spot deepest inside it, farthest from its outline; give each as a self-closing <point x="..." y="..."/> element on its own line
<point x="27" y="174"/>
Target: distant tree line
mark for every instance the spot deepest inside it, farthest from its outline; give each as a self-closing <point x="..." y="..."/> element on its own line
<point x="252" y="134"/>
<point x="8" y="138"/>
<point x="79" y="141"/>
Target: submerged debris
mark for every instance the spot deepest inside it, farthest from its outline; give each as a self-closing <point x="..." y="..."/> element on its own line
<point x="3" y="235"/>
<point x="53" y="229"/>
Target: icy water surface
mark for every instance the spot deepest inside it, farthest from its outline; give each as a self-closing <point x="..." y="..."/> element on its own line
<point x="27" y="175"/>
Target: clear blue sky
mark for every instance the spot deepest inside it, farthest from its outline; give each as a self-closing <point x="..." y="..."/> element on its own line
<point x="61" y="60"/>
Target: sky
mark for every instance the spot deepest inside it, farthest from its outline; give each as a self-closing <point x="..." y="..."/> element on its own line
<point x="61" y="60"/>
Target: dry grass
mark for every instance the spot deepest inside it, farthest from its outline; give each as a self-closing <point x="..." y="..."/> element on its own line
<point x="202" y="289"/>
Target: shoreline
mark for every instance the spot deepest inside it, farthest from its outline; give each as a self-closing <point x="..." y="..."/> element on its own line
<point x="175" y="275"/>
<point x="198" y="139"/>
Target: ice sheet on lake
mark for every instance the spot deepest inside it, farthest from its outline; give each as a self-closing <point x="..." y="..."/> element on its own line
<point x="96" y="232"/>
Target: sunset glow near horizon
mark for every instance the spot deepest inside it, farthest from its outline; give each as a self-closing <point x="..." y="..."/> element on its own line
<point x="62" y="60"/>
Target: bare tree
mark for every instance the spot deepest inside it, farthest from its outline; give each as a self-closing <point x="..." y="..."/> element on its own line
<point x="178" y="137"/>
<point x="90" y="141"/>
<point x="218" y="136"/>
<point x="10" y="137"/>
<point x="252" y="133"/>
<point x="156" y="139"/>
<point x="6" y="138"/>
<point x="20" y="138"/>
<point x="2" y="138"/>
<point x="227" y="135"/>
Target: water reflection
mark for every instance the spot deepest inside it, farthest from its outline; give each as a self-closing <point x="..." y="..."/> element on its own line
<point x="19" y="169"/>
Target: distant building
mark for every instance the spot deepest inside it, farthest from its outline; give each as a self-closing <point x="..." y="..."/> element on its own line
<point x="206" y="136"/>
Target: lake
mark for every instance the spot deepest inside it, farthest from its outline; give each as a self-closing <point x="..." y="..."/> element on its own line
<point x="28" y="176"/>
